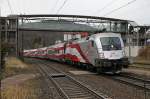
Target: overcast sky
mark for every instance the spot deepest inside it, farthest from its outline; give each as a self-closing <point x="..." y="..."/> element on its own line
<point x="138" y="10"/>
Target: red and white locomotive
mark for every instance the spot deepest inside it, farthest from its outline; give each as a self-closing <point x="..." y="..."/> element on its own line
<point x="102" y="51"/>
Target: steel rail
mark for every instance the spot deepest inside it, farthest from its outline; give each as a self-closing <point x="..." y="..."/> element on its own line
<point x="68" y="79"/>
<point x="143" y="66"/>
<point x="62" y="93"/>
<point x="43" y="74"/>
<point x="130" y="80"/>
<point x="136" y="78"/>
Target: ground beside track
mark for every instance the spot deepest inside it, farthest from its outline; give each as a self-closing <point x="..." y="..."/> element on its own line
<point x="36" y="88"/>
<point x="104" y="85"/>
<point x="142" y="66"/>
<point x="141" y="69"/>
<point x="140" y="63"/>
<point x="13" y="67"/>
<point x="138" y="72"/>
<point x="22" y="80"/>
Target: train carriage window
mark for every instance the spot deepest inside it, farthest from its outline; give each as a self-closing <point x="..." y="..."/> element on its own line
<point x="43" y="52"/>
<point x="61" y="51"/>
<point x="53" y="51"/>
<point x="49" y="51"/>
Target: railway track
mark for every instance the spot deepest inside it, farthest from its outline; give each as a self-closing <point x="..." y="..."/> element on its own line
<point x="134" y="81"/>
<point x="141" y="63"/>
<point x="141" y="66"/>
<point x="68" y="87"/>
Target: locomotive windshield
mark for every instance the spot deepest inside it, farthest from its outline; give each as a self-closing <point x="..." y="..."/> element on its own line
<point x="110" y="43"/>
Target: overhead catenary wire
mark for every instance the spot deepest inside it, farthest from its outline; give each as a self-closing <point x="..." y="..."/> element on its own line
<point x="54" y="5"/>
<point x="61" y="6"/>
<point x="10" y="7"/>
<point x="107" y="5"/>
<point x="114" y="10"/>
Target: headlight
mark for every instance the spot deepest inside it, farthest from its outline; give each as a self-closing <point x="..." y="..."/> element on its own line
<point x="101" y="55"/>
<point x="123" y="53"/>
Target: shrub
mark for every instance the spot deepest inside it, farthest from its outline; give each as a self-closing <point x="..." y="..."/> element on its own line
<point x="144" y="53"/>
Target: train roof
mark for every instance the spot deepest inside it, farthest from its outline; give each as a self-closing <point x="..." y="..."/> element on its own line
<point x="105" y="35"/>
<point x="26" y="50"/>
<point x="43" y="48"/>
<point x="32" y="50"/>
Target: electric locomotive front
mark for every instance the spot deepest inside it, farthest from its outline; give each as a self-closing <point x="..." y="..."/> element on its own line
<point x="111" y="54"/>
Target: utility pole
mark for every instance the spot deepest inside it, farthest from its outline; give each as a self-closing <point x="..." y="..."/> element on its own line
<point x="0" y="45"/>
<point x="0" y="11"/>
<point x="145" y="37"/>
<point x="129" y="42"/>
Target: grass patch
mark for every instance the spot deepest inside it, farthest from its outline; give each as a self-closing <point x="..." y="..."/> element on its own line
<point x="31" y="89"/>
<point x="36" y="88"/>
<point x="11" y="71"/>
<point x="144" y="54"/>
<point x="15" y="62"/>
<point x="13" y="67"/>
<point x="24" y="91"/>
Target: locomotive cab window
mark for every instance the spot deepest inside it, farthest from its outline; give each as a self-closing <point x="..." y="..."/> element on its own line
<point x="110" y="43"/>
<point x="92" y="43"/>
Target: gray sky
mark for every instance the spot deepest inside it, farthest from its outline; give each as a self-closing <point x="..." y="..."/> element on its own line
<point x="138" y="11"/>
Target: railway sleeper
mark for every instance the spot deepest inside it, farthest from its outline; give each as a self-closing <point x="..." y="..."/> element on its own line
<point x="79" y="95"/>
<point x="76" y="90"/>
<point x="57" y="75"/>
<point x="83" y="96"/>
<point x="70" y="87"/>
